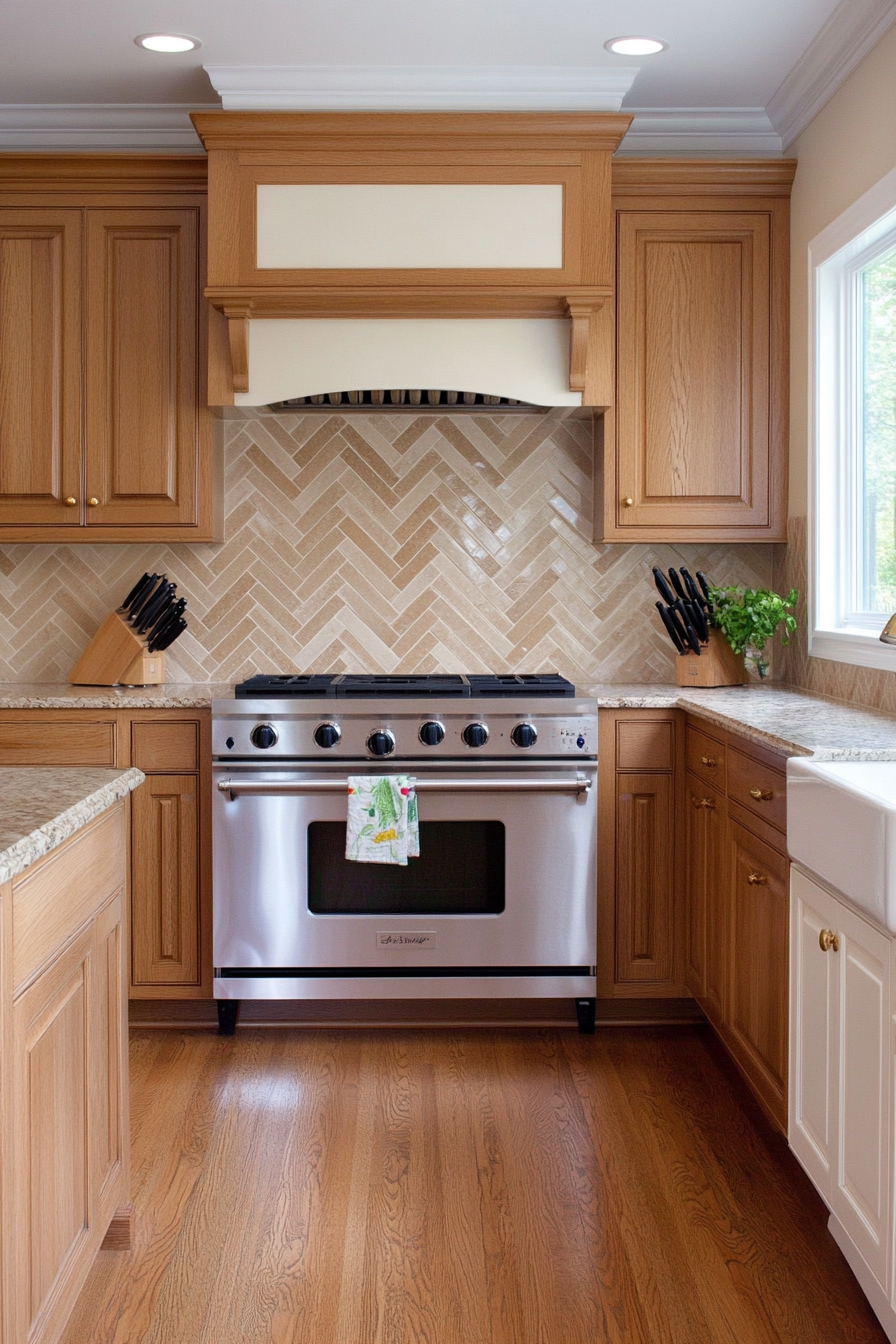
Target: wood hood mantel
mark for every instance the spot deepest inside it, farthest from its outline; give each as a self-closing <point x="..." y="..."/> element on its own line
<point x="347" y="216"/>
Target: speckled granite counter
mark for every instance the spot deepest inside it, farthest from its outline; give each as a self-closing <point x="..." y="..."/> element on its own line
<point x="785" y="720"/>
<point x="41" y="806"/>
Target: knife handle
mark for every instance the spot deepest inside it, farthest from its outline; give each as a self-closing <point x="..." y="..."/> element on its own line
<point x="663" y="588"/>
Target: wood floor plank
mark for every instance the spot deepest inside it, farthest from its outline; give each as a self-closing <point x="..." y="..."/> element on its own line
<point x="462" y="1187"/>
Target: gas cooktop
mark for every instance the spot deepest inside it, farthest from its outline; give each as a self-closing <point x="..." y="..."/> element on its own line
<point x="353" y="685"/>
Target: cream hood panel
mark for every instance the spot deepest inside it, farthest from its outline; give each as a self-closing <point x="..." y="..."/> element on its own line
<point x="523" y="358"/>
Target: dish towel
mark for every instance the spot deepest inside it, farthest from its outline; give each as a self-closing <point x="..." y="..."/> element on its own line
<point x="382" y="822"/>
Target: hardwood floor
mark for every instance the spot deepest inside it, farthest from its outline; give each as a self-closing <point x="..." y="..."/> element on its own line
<point x="462" y="1187"/>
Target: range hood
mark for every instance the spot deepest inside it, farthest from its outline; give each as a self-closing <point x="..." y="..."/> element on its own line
<point x="411" y="250"/>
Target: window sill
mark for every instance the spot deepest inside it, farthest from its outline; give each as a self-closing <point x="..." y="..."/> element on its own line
<point x="861" y="648"/>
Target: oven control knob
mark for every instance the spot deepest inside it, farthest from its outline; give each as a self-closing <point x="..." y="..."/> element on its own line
<point x="475" y="734"/>
<point x="264" y="735"/>
<point x="524" y="735"/>
<point x="432" y="733"/>
<point x="381" y="743"/>
<point x="327" y="734"/>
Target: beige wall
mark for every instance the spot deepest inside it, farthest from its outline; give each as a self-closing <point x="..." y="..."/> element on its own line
<point x="849" y="146"/>
<point x="380" y="543"/>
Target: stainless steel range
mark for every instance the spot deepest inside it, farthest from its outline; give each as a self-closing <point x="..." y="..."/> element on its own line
<point x="501" y="901"/>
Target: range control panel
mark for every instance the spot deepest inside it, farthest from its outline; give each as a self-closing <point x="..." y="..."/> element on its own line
<point x="255" y="729"/>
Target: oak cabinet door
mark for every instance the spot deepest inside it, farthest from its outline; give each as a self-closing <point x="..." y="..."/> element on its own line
<point x="707" y="897"/>
<point x="40" y="367"/>
<point x="53" y="1207"/>
<point x="693" y="376"/>
<point x="757" y="1011"/>
<point x="142" y="389"/>
<point x="165" y="909"/>
<point x="645" y="878"/>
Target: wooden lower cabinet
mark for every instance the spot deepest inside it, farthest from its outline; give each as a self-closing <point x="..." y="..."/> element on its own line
<point x="169" y="948"/>
<point x="64" y="1148"/>
<point x="756" y="1021"/>
<point x="706" y="937"/>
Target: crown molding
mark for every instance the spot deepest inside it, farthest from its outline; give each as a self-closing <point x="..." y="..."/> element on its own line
<point x="844" y="40"/>
<point x="700" y="131"/>
<point x="131" y="127"/>
<point x="421" y="88"/>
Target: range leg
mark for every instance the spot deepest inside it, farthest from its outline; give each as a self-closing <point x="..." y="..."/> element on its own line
<point x="228" y="1012"/>
<point x="585" y="1012"/>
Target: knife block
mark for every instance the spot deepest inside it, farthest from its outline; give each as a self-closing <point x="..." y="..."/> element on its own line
<point x="117" y="655"/>
<point x="717" y="665"/>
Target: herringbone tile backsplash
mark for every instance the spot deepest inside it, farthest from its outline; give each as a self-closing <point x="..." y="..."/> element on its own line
<point x="380" y="543"/>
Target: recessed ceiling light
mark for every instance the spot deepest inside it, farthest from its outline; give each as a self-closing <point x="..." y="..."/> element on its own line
<point x="635" y="46"/>
<point x="167" y="42"/>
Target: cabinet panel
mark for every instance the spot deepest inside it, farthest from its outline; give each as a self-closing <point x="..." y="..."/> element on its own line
<point x="645" y="893"/>
<point x="167" y="746"/>
<point x="51" y="1025"/>
<point x="758" y="952"/>
<point x="644" y="744"/>
<point x="40" y="366"/>
<point x="142" y="367"/>
<point x="813" y="1045"/>
<point x="165" y="913"/>
<point x="705" y="757"/>
<point x="108" y="1101"/>
<point x="708" y="923"/>
<point x="747" y="778"/>
<point x="57" y="742"/>
<point x="859" y="1190"/>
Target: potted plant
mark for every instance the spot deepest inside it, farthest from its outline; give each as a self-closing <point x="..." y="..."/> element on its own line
<point x="749" y="618"/>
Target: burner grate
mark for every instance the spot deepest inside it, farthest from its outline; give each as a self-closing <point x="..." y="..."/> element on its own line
<point x="364" y="686"/>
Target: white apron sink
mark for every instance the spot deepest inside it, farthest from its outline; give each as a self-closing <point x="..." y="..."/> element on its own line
<point x="841" y="825"/>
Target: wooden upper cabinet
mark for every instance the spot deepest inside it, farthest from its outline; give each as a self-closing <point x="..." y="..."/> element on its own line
<point x="40" y="366"/>
<point x="103" y="351"/>
<point x="695" y="448"/>
<point x="142" y="366"/>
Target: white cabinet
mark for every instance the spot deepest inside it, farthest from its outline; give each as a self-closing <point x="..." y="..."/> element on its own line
<point x="840" y="1089"/>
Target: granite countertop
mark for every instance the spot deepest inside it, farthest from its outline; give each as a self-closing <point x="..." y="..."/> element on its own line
<point x="40" y="806"/>
<point x="782" y="719"/>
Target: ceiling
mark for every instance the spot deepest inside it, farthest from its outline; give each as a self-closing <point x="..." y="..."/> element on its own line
<point x="722" y="54"/>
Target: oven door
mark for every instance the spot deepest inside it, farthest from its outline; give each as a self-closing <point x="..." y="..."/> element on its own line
<point x="506" y="876"/>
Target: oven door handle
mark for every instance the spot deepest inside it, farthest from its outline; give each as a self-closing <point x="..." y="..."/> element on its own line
<point x="581" y="784"/>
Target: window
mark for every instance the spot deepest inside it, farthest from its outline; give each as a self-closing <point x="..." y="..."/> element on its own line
<point x="853" y="534"/>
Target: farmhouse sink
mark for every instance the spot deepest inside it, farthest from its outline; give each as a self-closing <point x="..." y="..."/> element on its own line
<point x="841" y="824"/>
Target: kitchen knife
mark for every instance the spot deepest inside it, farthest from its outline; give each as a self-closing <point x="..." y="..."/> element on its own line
<point x="693" y="640"/>
<point x="678" y="622"/>
<point x="695" y="594"/>
<point x="141" y="604"/>
<point x="705" y="585"/>
<point x="168" y="617"/>
<point x="134" y="592"/>
<point x="143" y="592"/>
<point x="174" y="632"/>
<point x="663" y="588"/>
<point x="672" y="631"/>
<point x="677" y="584"/>
<point x="697" y="619"/>
<point x="161" y="600"/>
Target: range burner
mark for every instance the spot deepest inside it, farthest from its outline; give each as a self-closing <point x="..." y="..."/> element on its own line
<point x="375" y="686"/>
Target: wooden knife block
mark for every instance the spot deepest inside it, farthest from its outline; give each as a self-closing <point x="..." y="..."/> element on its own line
<point x="717" y="665"/>
<point x="117" y="655"/>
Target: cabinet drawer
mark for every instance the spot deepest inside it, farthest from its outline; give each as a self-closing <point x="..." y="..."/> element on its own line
<point x="57" y="742"/>
<point x="167" y="748"/>
<point x="706" y="757"/>
<point x="758" y="787"/>
<point x="645" y="744"/>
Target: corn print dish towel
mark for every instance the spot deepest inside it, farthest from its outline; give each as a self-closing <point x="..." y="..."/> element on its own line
<point x="382" y="819"/>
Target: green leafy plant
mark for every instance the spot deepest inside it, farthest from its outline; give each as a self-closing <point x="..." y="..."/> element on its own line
<point x="749" y="618"/>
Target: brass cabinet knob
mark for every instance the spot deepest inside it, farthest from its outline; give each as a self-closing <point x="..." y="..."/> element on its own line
<point x="93" y="501"/>
<point x="757" y="880"/>
<point x="71" y="501"/>
<point x="828" y="939"/>
<point x="628" y="501"/>
<point x="709" y="760"/>
<point x="762" y="795"/>
<point x="704" y="802"/>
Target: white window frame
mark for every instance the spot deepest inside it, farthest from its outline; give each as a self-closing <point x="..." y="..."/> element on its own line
<point x="861" y="234"/>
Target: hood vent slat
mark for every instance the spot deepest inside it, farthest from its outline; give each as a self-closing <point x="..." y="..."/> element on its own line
<point x="406" y="398"/>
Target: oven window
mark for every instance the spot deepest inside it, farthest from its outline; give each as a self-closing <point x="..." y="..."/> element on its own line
<point x="460" y="871"/>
